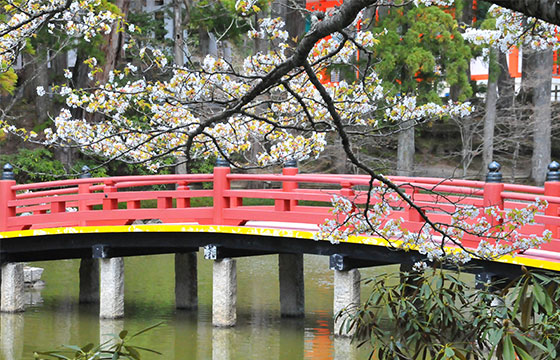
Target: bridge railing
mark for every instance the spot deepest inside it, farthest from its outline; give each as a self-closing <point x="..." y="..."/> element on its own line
<point x="95" y="201"/>
<point x="293" y="198"/>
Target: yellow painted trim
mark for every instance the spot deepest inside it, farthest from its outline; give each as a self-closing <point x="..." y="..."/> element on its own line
<point x="260" y="231"/>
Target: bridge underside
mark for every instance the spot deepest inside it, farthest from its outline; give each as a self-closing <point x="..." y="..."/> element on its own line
<point x="226" y="241"/>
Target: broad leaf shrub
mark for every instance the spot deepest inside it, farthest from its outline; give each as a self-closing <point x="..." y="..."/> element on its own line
<point x="438" y="315"/>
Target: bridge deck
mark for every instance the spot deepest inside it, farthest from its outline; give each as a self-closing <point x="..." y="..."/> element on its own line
<point x="65" y="219"/>
<point x="252" y="239"/>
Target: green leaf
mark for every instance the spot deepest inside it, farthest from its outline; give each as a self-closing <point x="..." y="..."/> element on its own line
<point x="509" y="351"/>
<point x="539" y="294"/>
<point x="87" y="347"/>
<point x="132" y="351"/>
<point x="536" y="343"/>
<point x="53" y="354"/>
<point x="523" y="354"/>
<point x="146" y="349"/>
<point x="460" y="355"/>
<point x="147" y="329"/>
<point x="123" y="334"/>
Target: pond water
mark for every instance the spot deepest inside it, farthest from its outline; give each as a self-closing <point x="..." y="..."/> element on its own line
<point x="56" y="318"/>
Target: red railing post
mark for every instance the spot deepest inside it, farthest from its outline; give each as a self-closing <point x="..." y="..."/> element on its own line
<point x="183" y="202"/>
<point x="290" y="169"/>
<point x="6" y="194"/>
<point x="109" y="203"/>
<point x="83" y="189"/>
<point x="552" y="188"/>
<point x="493" y="190"/>
<point x="411" y="214"/>
<point x="221" y="184"/>
<point x="346" y="190"/>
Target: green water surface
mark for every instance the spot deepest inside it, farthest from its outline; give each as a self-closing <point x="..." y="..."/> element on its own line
<point x="260" y="333"/>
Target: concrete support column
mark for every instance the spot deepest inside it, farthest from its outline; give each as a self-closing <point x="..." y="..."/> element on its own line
<point x="346" y="298"/>
<point x="292" y="296"/>
<point x="186" y="284"/>
<point x="12" y="288"/>
<point x="224" y="292"/>
<point x="89" y="281"/>
<point x="112" y="288"/>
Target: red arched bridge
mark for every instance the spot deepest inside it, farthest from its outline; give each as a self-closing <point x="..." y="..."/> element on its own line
<point x="73" y="218"/>
<point x="233" y="215"/>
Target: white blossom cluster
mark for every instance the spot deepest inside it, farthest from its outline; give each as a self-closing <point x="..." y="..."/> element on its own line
<point x="515" y="29"/>
<point x="246" y="7"/>
<point x="147" y="119"/>
<point x="270" y="29"/>
<point x="22" y="20"/>
<point x="498" y="230"/>
<point x="434" y="2"/>
<point x="405" y="108"/>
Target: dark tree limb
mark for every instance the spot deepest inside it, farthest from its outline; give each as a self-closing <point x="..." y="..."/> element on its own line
<point x="547" y="10"/>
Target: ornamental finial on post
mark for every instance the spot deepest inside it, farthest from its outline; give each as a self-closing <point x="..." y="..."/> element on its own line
<point x="290" y="163"/>
<point x="553" y="173"/>
<point x="8" y="172"/>
<point x="221" y="162"/>
<point x="494" y="175"/>
<point x="85" y="172"/>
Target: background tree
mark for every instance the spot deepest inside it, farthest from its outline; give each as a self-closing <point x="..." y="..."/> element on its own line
<point x="421" y="54"/>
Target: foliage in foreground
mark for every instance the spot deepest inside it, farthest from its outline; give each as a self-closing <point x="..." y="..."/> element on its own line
<point x="117" y="348"/>
<point x="438" y="315"/>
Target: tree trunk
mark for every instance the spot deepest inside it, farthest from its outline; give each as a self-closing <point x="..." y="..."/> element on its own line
<point x="547" y="10"/>
<point x="489" y="123"/>
<point x="42" y="103"/>
<point x="113" y="43"/>
<point x="405" y="150"/>
<point x="179" y="42"/>
<point x="541" y="115"/>
<point x="203" y="43"/>
<point x="80" y="78"/>
<point x="467" y="132"/>
<point x="295" y="20"/>
<point x="506" y="84"/>
<point x="179" y="59"/>
<point x="260" y="45"/>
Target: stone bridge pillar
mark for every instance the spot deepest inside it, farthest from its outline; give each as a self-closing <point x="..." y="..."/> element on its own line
<point x="111" y="270"/>
<point x="224" y="292"/>
<point x="89" y="281"/>
<point x="186" y="286"/>
<point x="12" y="288"/>
<point x="292" y="290"/>
<point x="346" y="299"/>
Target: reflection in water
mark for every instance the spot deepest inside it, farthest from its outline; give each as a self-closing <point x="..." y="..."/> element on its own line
<point x="108" y="329"/>
<point x="186" y="324"/>
<point x="222" y="343"/>
<point x="291" y="338"/>
<point x="32" y="296"/>
<point x="11" y="335"/>
<point x="344" y="349"/>
<point x="319" y="346"/>
<point x="63" y="320"/>
<point x="261" y="334"/>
